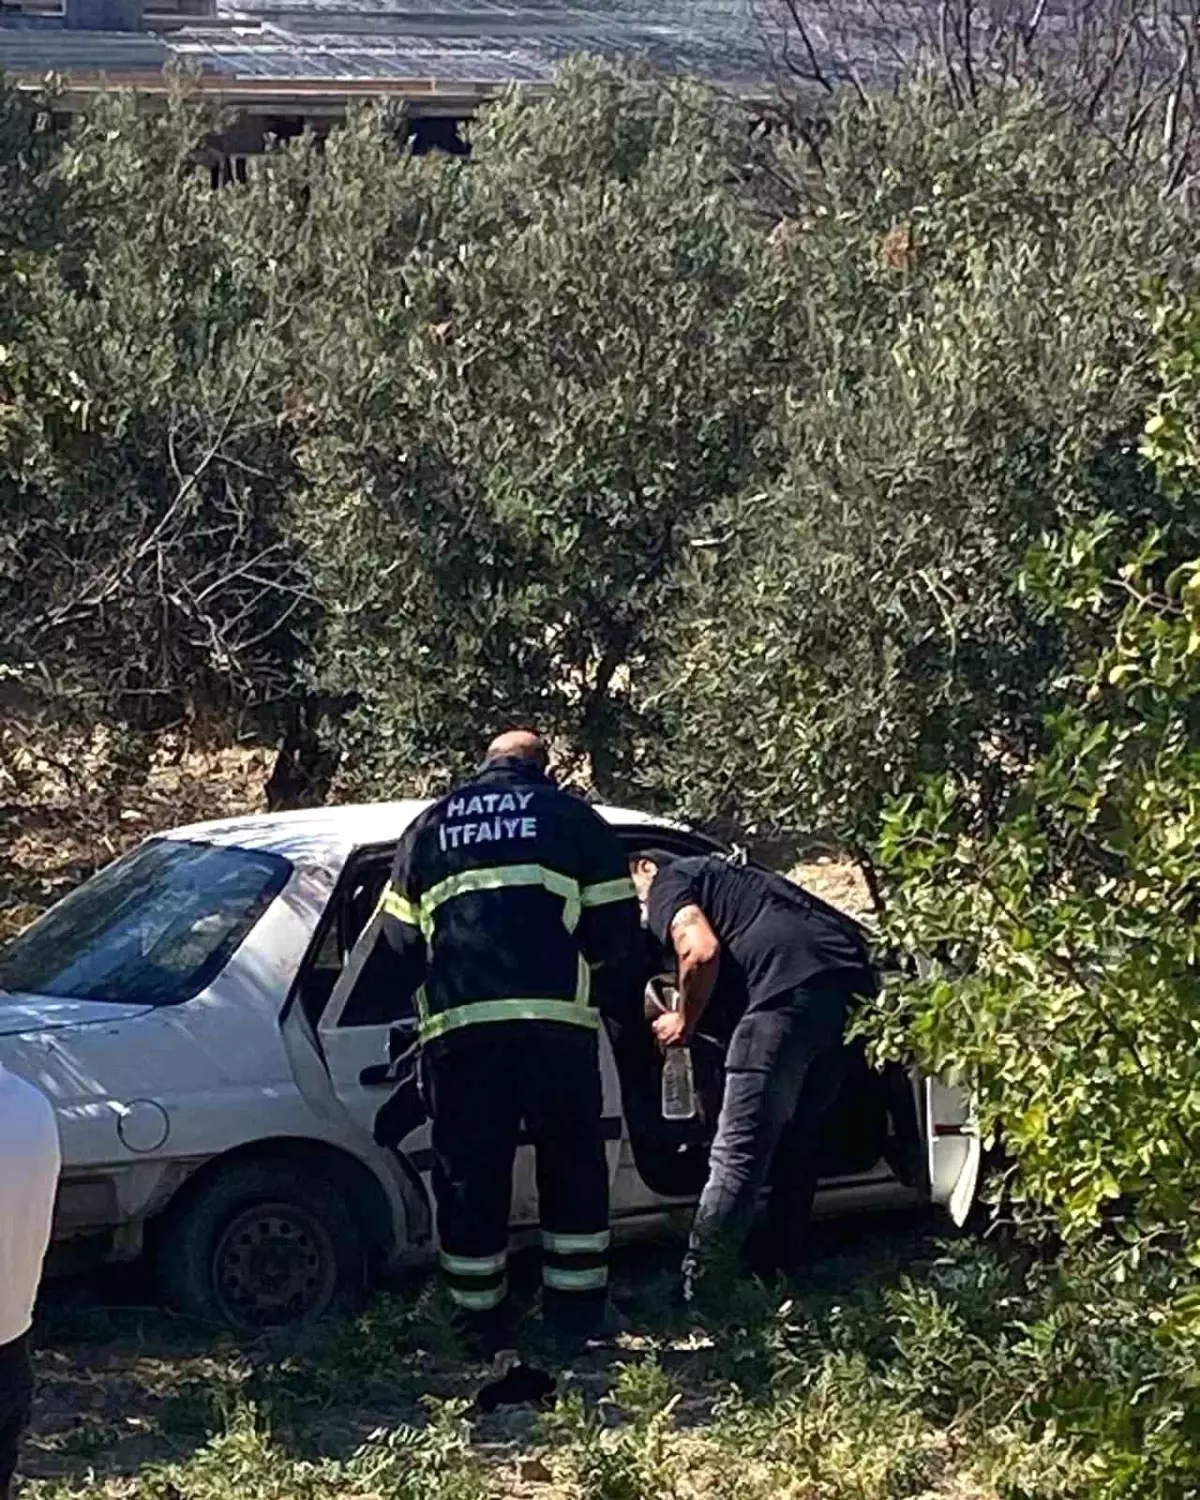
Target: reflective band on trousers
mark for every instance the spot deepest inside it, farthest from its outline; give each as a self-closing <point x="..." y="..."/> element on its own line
<point x="479" y="1012"/>
<point x="577" y="1244"/>
<point x="590" y="1280"/>
<point x="473" y="1265"/>
<point x="482" y="1301"/>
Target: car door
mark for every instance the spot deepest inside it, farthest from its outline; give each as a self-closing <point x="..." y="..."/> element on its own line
<point x="954" y="1149"/>
<point x="355" y="1013"/>
<point x="662" y="1162"/>
<point x="363" y="1011"/>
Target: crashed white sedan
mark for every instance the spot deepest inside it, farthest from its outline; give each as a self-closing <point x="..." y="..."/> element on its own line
<point x="217" y="1057"/>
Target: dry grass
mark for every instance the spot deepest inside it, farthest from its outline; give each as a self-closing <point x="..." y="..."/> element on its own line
<point x="63" y="818"/>
<point x="137" y="1406"/>
<point x="837" y="880"/>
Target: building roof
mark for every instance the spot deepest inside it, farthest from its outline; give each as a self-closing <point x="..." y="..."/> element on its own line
<point x="480" y="40"/>
<point x="348" y="47"/>
<point x="449" y="55"/>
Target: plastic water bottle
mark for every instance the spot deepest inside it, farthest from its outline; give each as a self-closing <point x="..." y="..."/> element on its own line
<point x="678" y="1085"/>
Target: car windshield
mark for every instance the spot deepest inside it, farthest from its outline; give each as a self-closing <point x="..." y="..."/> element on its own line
<point x="152" y="929"/>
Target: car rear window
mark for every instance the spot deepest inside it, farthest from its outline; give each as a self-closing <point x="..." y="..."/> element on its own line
<point x="152" y="929"/>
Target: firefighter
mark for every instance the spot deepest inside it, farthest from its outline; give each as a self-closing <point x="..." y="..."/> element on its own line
<point x="512" y="908"/>
<point x="774" y="972"/>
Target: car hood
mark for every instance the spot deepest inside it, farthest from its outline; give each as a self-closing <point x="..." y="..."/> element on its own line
<point x="21" y="1014"/>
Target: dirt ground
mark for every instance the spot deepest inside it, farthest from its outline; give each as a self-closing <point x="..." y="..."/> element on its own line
<point x="835" y="879"/>
<point x="124" y="1386"/>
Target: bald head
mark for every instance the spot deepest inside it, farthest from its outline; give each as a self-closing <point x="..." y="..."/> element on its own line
<point x="519" y="744"/>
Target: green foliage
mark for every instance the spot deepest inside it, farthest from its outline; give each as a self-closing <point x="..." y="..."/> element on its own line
<point x="1037" y="1380"/>
<point x="578" y="433"/>
<point x="812" y="490"/>
<point x="1073" y="1377"/>
<point x="968" y="333"/>
<point x="28" y="149"/>
<point x="919" y="1369"/>
<point x="630" y="1461"/>
<point x="143" y="453"/>
<point x="1065" y="980"/>
<point x="1062" y="987"/>
<point x="404" y="1463"/>
<point x="534" y="379"/>
<point x="835" y="1431"/>
<point x="1172" y="437"/>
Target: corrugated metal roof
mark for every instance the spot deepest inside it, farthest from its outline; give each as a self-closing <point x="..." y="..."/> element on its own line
<point x="29" y="45"/>
<point x="483" y="41"/>
<point x="738" y="42"/>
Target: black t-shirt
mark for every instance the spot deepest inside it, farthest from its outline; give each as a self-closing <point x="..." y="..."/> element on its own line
<point x="774" y="935"/>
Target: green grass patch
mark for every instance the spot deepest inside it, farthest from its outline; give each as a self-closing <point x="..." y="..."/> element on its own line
<point x="963" y="1372"/>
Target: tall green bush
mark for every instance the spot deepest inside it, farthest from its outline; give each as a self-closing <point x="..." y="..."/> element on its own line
<point x="971" y="364"/>
<point x="144" y="453"/>
<point x="1064" y="985"/>
<point x="533" y="377"/>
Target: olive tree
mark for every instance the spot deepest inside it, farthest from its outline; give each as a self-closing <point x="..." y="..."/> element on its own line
<point x="969" y="338"/>
<point x="143" y="441"/>
<point x="531" y="380"/>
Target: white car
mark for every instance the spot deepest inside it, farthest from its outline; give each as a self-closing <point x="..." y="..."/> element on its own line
<point x="216" y="1051"/>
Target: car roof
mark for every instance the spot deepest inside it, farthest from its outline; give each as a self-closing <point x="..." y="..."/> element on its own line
<point x="320" y="833"/>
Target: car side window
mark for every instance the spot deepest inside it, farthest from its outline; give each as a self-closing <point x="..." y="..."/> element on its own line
<point x="354" y="905"/>
<point x="318" y="980"/>
<point x="358" y="905"/>
<point x="376" y="999"/>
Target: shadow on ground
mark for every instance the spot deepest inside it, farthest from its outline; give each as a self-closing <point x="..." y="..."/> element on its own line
<point x="124" y="1386"/>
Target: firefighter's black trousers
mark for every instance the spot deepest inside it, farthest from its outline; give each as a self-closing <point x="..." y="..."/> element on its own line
<point x="16" y="1394"/>
<point x="783" y="1073"/>
<point x="499" y="1083"/>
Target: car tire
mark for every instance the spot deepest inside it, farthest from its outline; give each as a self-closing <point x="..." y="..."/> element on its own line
<point x="261" y="1245"/>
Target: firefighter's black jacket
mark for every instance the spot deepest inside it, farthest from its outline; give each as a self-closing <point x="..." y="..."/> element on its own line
<point x="510" y="900"/>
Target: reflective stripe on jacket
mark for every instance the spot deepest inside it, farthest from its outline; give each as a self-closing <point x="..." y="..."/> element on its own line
<point x="508" y="899"/>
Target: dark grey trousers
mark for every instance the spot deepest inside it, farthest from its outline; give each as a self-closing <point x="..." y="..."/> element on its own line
<point x="783" y="1072"/>
<point x="16" y="1397"/>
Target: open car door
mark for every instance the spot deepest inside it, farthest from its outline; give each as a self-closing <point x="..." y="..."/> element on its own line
<point x="357" y="1022"/>
<point x="953" y="1146"/>
<point x="365" y="1020"/>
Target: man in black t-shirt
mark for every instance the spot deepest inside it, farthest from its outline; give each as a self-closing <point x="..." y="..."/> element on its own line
<point x="774" y="972"/>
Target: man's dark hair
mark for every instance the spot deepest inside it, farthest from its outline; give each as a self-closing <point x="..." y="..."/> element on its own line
<point x="659" y="857"/>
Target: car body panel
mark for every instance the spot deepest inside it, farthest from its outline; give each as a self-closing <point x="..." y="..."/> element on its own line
<point x="350" y="1051"/>
<point x="21" y="1015"/>
<point x="215" y="1066"/>
<point x="326" y="835"/>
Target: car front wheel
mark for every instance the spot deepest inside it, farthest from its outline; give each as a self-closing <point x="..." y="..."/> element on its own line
<point x="261" y="1245"/>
